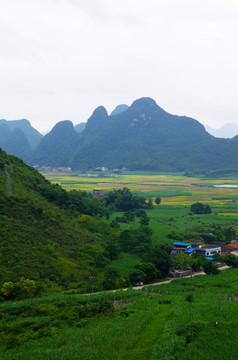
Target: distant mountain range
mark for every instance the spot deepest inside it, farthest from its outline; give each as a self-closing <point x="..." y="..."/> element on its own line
<point x="18" y="137"/>
<point x="227" y="131"/>
<point x="140" y="137"/>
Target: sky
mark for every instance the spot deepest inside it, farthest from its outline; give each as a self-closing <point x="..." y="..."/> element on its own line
<point x="60" y="59"/>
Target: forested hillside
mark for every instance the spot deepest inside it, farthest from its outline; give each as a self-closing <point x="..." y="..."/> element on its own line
<point x="46" y="234"/>
<point x="62" y="239"/>
<point x="140" y="137"/>
<point x="18" y="137"/>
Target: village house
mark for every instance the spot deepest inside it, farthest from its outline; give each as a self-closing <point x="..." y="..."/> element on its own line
<point x="98" y="193"/>
<point x="179" y="247"/>
<point x="209" y="251"/>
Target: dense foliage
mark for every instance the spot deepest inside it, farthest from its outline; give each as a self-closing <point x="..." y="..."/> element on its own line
<point x="125" y="200"/>
<point x="56" y="238"/>
<point x="199" y="208"/>
<point x="47" y="235"/>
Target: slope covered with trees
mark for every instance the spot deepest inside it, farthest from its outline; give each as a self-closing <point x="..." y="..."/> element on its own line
<point x="141" y="137"/>
<point x="62" y="239"/>
<point x="47" y="234"/>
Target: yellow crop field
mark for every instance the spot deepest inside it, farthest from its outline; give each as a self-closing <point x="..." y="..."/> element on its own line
<point x="228" y="214"/>
<point x="173" y="189"/>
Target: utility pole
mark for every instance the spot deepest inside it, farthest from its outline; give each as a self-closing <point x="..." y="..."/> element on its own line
<point x="8" y="172"/>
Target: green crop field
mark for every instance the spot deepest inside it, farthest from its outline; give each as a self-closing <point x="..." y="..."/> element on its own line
<point x="177" y="194"/>
<point x="190" y="318"/>
<point x="173" y="189"/>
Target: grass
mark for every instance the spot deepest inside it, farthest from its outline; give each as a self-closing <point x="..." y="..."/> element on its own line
<point x="148" y="337"/>
<point x="174" y="189"/>
<point x="168" y="321"/>
<point x="125" y="263"/>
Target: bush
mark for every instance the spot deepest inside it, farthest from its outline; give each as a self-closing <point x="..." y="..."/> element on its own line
<point x="25" y="288"/>
<point x="210" y="268"/>
<point x="199" y="208"/>
<point x="231" y="260"/>
<point x="189" y="297"/>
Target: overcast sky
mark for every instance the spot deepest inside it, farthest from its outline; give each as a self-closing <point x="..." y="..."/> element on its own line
<point x="60" y="59"/>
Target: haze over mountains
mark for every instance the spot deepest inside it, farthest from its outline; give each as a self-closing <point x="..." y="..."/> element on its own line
<point x="140" y="137"/>
<point x="228" y="130"/>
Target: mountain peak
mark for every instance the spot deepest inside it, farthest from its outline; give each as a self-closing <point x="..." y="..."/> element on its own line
<point x="119" y="109"/>
<point x="65" y="125"/>
<point x="100" y="112"/>
<point x="98" y="116"/>
<point x="145" y="102"/>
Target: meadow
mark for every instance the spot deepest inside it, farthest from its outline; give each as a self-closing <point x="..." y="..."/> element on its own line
<point x="177" y="193"/>
<point x="173" y="189"/>
<point x="190" y="318"/>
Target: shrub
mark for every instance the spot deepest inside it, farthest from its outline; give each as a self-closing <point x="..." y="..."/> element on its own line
<point x="199" y="208"/>
<point x="189" y="297"/>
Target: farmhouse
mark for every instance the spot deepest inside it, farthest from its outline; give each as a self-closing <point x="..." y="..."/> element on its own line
<point x="98" y="193"/>
<point x="209" y="250"/>
<point x="189" y="251"/>
<point x="179" y="247"/>
<point x="180" y="273"/>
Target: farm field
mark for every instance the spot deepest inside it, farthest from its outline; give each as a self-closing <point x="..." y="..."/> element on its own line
<point x="177" y="194"/>
<point x="189" y="318"/>
<point x="173" y="189"/>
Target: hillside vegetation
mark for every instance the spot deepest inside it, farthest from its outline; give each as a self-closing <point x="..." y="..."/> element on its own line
<point x="141" y="137"/>
<point x="191" y="318"/>
<point x="46" y="234"/>
<point x="61" y="239"/>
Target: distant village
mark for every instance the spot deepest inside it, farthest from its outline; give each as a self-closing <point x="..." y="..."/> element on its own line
<point x="44" y="168"/>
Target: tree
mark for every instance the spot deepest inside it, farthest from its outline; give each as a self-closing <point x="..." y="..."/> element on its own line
<point x="124" y="200"/>
<point x="216" y="257"/>
<point x="160" y="258"/>
<point x="144" y="221"/>
<point x="145" y="272"/>
<point x="231" y="260"/>
<point x="199" y="208"/>
<point x="150" y="204"/>
<point x="7" y="290"/>
<point x="157" y="200"/>
<point x="210" y="268"/>
<point x="181" y="261"/>
<point x="196" y="261"/>
<point x="229" y="233"/>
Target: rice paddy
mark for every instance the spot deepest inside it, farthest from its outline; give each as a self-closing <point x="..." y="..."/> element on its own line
<point x="177" y="194"/>
<point x="173" y="189"/>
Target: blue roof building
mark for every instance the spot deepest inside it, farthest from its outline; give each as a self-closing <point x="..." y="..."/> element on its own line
<point x="209" y="258"/>
<point x="189" y="250"/>
<point x="177" y="243"/>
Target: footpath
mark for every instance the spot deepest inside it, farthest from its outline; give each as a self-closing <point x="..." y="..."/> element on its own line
<point x="171" y="279"/>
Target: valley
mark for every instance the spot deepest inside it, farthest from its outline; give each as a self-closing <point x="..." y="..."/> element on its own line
<point x="62" y="251"/>
<point x="177" y="193"/>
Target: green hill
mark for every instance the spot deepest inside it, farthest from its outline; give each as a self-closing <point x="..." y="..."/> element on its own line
<point x="18" y="137"/>
<point x="57" y="147"/>
<point x="141" y="137"/>
<point x="47" y="234"/>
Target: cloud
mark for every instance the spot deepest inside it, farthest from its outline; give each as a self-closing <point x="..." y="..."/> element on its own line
<point x="62" y="58"/>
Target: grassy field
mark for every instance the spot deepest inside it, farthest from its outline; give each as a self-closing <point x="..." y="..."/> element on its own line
<point x="168" y="321"/>
<point x="177" y="194"/>
<point x="173" y="189"/>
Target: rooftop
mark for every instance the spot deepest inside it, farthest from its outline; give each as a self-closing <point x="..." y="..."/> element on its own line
<point x="189" y="251"/>
<point x="177" y="243"/>
<point x="234" y="245"/>
<point x="209" y="258"/>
